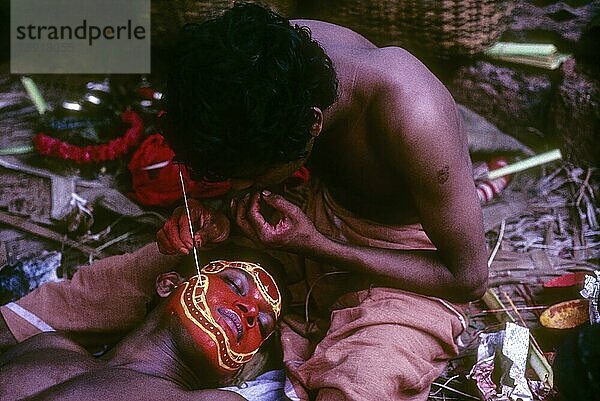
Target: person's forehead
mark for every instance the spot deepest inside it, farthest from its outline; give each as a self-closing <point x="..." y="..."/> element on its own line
<point x="246" y="172"/>
<point x="255" y="275"/>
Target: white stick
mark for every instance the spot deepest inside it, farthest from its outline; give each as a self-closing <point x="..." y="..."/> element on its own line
<point x="187" y="211"/>
<point x="530" y="162"/>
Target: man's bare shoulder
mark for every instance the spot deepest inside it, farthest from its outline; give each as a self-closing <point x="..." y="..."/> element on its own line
<point x="42" y="341"/>
<point x="116" y="384"/>
<point x="42" y="362"/>
<point x="332" y="36"/>
<point x="406" y="96"/>
<point x="404" y="101"/>
<point x="366" y="69"/>
<point x="403" y="76"/>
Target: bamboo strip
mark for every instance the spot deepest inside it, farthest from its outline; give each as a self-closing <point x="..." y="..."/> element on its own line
<point x="537" y="360"/>
<point x="34" y="94"/>
<point x="528" y="163"/>
<point x="32" y="228"/>
<point x="501" y="49"/>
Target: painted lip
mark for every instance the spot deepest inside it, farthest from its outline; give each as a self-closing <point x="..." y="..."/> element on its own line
<point x="233" y="321"/>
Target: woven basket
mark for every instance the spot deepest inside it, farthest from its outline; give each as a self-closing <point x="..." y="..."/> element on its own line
<point x="169" y="15"/>
<point x="437" y="28"/>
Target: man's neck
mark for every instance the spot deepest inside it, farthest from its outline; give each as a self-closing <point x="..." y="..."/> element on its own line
<point x="150" y="349"/>
<point x="340" y="109"/>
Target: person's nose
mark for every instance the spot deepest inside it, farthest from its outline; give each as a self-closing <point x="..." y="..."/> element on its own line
<point x="249" y="312"/>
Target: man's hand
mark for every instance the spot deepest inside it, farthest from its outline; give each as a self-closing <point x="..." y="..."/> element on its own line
<point x="210" y="227"/>
<point x="277" y="224"/>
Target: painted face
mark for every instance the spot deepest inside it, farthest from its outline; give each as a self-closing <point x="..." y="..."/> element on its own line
<point x="230" y="313"/>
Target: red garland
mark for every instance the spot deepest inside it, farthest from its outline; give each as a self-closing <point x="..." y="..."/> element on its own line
<point x="114" y="149"/>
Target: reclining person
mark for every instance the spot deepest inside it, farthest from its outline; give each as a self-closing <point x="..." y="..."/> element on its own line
<point x="199" y="336"/>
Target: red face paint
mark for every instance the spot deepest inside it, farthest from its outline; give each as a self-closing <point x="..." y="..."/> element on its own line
<point x="231" y="313"/>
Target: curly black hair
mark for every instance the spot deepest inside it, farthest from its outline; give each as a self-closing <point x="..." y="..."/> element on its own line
<point x="241" y="89"/>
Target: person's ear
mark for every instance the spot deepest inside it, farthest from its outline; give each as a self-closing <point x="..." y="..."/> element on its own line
<point x="167" y="282"/>
<point x="317" y="126"/>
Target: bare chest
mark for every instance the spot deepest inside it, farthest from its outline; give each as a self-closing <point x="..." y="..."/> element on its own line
<point x="354" y="169"/>
<point x="34" y="372"/>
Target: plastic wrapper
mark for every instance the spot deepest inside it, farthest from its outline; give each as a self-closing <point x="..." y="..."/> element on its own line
<point x="591" y="290"/>
<point x="27" y="274"/>
<point x="511" y="346"/>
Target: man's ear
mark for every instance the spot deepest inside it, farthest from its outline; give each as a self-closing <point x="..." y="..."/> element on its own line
<point x="317" y="126"/>
<point x="166" y="283"/>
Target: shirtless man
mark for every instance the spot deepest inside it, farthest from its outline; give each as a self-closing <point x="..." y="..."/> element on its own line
<point x="253" y="97"/>
<point x="197" y="338"/>
<point x="390" y="149"/>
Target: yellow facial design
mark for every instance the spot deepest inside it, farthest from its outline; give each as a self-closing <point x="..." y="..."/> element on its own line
<point x="206" y="305"/>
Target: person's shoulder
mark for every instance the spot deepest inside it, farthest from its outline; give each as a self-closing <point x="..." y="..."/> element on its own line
<point x="405" y="86"/>
<point x="399" y="72"/>
<point x="43" y="341"/>
<point x="386" y="76"/>
<point x="409" y="106"/>
<point x="332" y="37"/>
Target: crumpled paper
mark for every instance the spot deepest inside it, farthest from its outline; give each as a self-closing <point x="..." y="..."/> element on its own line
<point x="79" y="218"/>
<point x="28" y="274"/>
<point x="512" y="346"/>
<point x="591" y="290"/>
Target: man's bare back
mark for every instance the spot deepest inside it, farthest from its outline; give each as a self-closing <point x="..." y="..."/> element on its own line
<point x="378" y="85"/>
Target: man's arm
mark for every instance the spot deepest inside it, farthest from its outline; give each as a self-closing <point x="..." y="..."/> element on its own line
<point x="7" y="339"/>
<point x="419" y="271"/>
<point x="422" y="141"/>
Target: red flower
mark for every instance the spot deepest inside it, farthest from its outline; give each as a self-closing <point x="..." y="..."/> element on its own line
<point x="116" y="148"/>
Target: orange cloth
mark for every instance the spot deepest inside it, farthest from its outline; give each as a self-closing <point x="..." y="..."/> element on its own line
<point x="79" y="306"/>
<point x="382" y="344"/>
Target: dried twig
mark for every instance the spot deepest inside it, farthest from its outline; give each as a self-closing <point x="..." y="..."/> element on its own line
<point x="584" y="186"/>
<point x="523" y="308"/>
<point x="445" y="384"/>
<point x="514" y="308"/>
<point x="32" y="228"/>
<point x="498" y="242"/>
<point x="455" y="391"/>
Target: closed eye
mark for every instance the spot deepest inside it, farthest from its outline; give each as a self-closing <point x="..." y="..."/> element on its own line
<point x="234" y="286"/>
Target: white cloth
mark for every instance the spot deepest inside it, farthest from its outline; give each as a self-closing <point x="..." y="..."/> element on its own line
<point x="270" y="386"/>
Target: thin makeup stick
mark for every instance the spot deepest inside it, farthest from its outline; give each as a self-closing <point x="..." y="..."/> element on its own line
<point x="187" y="211"/>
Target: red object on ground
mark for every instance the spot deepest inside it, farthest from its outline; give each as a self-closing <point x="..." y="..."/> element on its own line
<point x="489" y="189"/>
<point x="155" y="177"/>
<point x="49" y="146"/>
<point x="566" y="280"/>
